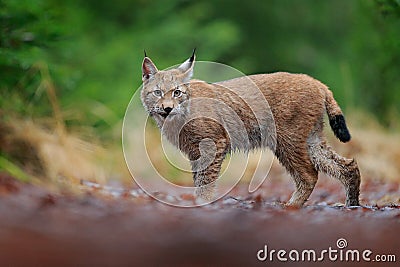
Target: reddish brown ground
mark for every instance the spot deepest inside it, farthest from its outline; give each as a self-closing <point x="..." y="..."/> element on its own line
<point x="42" y="228"/>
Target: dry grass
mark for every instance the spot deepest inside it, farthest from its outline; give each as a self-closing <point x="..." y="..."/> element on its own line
<point x="46" y="154"/>
<point x="47" y="150"/>
<point x="55" y="155"/>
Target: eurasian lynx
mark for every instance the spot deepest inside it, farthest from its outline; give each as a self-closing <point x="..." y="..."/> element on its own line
<point x="208" y="120"/>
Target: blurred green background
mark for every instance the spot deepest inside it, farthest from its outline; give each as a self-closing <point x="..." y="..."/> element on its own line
<point x="93" y="50"/>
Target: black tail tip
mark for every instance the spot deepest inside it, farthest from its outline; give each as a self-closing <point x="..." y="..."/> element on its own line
<point x="338" y="125"/>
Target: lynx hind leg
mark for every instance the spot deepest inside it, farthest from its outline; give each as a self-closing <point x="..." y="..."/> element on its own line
<point x="305" y="177"/>
<point x="325" y="159"/>
<point x="206" y="167"/>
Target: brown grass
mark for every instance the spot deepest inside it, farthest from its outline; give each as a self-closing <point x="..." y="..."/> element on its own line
<point x="57" y="155"/>
<point x="46" y="154"/>
<point x="46" y="150"/>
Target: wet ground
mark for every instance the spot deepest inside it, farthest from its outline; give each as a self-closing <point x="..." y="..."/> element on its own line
<point x="116" y="226"/>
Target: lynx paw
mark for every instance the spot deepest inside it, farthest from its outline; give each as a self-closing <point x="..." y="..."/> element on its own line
<point x="206" y="192"/>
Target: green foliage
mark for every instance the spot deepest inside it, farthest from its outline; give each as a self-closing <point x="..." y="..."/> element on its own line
<point x="14" y="170"/>
<point x="94" y="49"/>
<point x="30" y="34"/>
<point x="377" y="54"/>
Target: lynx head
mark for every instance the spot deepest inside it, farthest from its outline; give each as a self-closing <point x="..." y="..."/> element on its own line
<point x="165" y="93"/>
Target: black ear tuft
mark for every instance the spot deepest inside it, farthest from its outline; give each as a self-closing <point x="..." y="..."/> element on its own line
<point x="144" y="50"/>
<point x="191" y="59"/>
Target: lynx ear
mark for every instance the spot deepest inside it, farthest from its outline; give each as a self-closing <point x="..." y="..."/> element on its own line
<point x="187" y="66"/>
<point x="148" y="68"/>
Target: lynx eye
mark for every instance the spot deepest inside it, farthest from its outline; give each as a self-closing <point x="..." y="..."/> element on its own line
<point x="157" y="93"/>
<point x="177" y="93"/>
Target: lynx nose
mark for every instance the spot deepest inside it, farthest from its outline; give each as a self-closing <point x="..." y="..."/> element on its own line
<point x="167" y="110"/>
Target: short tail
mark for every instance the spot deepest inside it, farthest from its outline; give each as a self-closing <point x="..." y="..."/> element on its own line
<point x="336" y="118"/>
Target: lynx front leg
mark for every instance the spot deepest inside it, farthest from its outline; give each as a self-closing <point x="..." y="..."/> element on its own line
<point x="207" y="166"/>
<point x="305" y="180"/>
<point x="298" y="163"/>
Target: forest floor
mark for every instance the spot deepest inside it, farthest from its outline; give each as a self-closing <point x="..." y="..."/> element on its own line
<point x="105" y="226"/>
<point x="44" y="223"/>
